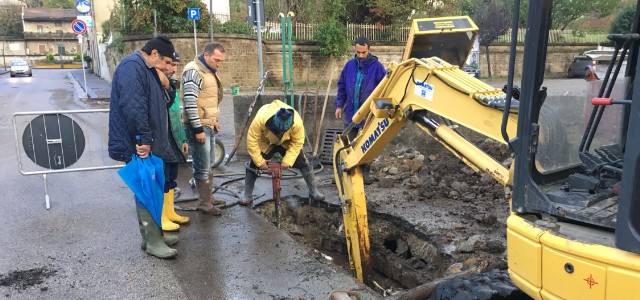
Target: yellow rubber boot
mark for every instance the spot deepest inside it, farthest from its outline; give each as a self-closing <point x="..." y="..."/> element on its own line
<point x="171" y="212"/>
<point x="167" y="225"/>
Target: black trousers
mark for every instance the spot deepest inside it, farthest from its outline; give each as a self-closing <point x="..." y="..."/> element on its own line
<point x="170" y="176"/>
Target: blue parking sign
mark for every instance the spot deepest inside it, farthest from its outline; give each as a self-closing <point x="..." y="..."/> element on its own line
<point x="193" y="14"/>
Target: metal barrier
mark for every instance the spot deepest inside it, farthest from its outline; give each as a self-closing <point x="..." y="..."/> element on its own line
<point x="55" y="142"/>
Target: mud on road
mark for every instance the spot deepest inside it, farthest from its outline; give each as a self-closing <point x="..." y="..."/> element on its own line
<point x="23" y="279"/>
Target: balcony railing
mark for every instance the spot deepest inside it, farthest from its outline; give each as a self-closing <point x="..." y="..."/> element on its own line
<point x="50" y="35"/>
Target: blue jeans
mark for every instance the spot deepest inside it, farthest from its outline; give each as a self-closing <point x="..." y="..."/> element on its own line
<point x="201" y="154"/>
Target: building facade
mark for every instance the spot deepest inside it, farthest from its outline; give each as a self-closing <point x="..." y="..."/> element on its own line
<point x="49" y="30"/>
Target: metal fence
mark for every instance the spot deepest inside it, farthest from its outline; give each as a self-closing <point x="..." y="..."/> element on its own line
<point x="306" y="31"/>
<point x="391" y="33"/>
<point x="557" y="36"/>
<point x="61" y="142"/>
<point x="221" y="17"/>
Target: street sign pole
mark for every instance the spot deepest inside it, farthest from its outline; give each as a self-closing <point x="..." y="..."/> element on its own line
<point x="84" y="72"/>
<point x="259" y="40"/>
<point x="155" y="23"/>
<point x="195" y="39"/>
<point x="194" y="15"/>
<point x="211" y="19"/>
<point x="79" y="27"/>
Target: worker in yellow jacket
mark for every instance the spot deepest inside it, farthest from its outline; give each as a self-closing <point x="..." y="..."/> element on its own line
<point x="277" y="128"/>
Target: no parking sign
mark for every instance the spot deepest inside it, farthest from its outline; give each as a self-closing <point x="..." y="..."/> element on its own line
<point x="79" y="26"/>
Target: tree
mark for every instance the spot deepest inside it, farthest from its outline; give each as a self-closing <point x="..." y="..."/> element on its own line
<point x="134" y="17"/>
<point x="10" y="24"/>
<point x="66" y="4"/>
<point x="623" y="23"/>
<point x="305" y="11"/>
<point x="11" y="20"/>
<point x="331" y="37"/>
<point x="566" y="11"/>
<point x="34" y="3"/>
<point x="387" y="12"/>
<point x="493" y="18"/>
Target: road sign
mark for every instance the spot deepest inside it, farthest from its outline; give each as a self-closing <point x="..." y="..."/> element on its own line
<point x="83" y="7"/>
<point x="193" y="14"/>
<point x="86" y="19"/>
<point x="252" y="12"/>
<point x="79" y="26"/>
<point x="53" y="141"/>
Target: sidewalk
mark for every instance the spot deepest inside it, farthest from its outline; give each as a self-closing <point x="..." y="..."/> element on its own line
<point x="96" y="87"/>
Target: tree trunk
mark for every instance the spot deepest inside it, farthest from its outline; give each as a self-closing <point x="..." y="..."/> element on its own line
<point x="486" y="52"/>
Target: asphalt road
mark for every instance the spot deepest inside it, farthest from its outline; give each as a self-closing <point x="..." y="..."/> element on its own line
<point x="87" y="245"/>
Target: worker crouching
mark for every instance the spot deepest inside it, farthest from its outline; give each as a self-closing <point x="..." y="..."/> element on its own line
<point x="277" y="128"/>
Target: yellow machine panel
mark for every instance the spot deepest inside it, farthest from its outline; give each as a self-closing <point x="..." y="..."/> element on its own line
<point x="572" y="270"/>
<point x="622" y="282"/>
<point x="523" y="244"/>
<point x="449" y="38"/>
<point x="571" y="277"/>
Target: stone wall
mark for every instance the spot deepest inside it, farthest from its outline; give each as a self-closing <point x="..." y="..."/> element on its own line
<point x="241" y="65"/>
<point x="558" y="59"/>
<point x="311" y="120"/>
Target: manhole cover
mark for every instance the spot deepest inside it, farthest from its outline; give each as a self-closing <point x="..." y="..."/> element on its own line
<point x="53" y="141"/>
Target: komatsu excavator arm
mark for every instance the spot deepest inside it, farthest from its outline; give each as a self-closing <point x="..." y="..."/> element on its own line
<point x="410" y="91"/>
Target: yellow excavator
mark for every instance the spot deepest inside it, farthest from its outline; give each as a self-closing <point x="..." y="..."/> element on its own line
<point x="573" y="187"/>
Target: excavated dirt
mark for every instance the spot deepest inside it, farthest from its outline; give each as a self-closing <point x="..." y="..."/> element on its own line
<point x="430" y="217"/>
<point x="24" y="279"/>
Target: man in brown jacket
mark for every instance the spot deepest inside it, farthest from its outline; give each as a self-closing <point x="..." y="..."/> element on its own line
<point x="201" y="94"/>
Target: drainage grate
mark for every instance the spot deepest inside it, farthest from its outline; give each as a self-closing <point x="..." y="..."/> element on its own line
<point x="326" y="153"/>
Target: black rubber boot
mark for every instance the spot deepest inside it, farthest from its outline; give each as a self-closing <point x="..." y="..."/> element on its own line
<point x="249" y="182"/>
<point x="309" y="177"/>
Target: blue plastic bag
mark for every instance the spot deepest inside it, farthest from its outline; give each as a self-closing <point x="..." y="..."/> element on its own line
<point x="145" y="177"/>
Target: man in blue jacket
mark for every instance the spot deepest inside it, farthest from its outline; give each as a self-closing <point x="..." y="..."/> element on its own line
<point x="138" y="125"/>
<point x="358" y="79"/>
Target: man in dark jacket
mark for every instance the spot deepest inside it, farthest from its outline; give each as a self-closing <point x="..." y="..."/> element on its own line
<point x="138" y="125"/>
<point x="358" y="79"/>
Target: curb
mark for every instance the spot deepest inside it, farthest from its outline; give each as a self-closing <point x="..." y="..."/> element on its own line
<point x="77" y="86"/>
<point x="90" y="94"/>
<point x="4" y="72"/>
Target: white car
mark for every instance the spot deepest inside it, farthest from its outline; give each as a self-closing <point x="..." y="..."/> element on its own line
<point x="20" y="67"/>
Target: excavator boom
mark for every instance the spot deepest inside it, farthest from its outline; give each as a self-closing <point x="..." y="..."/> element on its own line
<point x="417" y="90"/>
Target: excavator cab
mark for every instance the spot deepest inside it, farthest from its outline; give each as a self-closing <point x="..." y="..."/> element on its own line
<point x="574" y="231"/>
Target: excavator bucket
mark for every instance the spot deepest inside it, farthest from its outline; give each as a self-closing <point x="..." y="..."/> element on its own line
<point x="449" y="38"/>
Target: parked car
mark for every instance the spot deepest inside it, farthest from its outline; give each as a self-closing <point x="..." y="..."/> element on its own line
<point x="20" y="67"/>
<point x="579" y="66"/>
<point x="471" y="71"/>
<point x="596" y="61"/>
